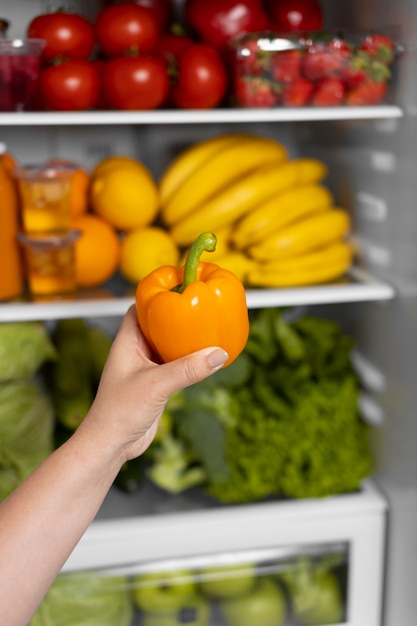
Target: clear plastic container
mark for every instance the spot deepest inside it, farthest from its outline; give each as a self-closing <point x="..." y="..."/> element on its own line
<point x="19" y="72"/>
<point x="45" y="195"/>
<point x="319" y="69"/>
<point x="50" y="264"/>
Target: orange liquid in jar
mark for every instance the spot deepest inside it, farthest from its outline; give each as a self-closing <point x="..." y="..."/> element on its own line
<point x="45" y="205"/>
<point x="50" y="266"/>
<point x="45" y="196"/>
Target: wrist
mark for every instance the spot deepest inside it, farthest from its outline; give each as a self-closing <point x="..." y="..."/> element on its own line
<point x="95" y="449"/>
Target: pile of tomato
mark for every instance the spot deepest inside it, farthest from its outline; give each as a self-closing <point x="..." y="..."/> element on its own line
<point x="142" y="55"/>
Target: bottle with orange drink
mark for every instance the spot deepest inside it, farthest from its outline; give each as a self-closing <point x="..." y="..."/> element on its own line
<point x="11" y="269"/>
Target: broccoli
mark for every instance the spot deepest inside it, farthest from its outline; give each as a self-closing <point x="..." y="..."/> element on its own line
<point x="172" y="468"/>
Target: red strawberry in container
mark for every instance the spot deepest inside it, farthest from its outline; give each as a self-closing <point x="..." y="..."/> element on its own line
<point x="252" y="59"/>
<point x="370" y="71"/>
<point x="256" y="92"/>
<point x="286" y="66"/>
<point x="297" y="93"/>
<point x="329" y="92"/>
<point x="368" y="93"/>
<point x="324" y="59"/>
<point x="379" y="47"/>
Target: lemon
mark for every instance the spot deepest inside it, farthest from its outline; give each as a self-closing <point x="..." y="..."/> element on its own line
<point x="125" y="195"/>
<point x="109" y="163"/>
<point x="144" y="250"/>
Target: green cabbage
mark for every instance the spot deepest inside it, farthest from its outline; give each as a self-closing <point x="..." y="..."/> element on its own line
<point x="26" y="431"/>
<point x="86" y="599"/>
<point x="24" y="347"/>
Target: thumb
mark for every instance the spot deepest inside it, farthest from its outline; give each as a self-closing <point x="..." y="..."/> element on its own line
<point x="191" y="369"/>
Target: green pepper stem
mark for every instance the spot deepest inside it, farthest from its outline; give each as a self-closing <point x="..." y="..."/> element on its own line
<point x="206" y="242"/>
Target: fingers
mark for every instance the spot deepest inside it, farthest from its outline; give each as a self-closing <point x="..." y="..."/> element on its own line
<point x="129" y="333"/>
<point x="191" y="369"/>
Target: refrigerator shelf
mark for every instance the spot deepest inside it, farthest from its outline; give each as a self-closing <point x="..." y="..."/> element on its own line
<point x="358" y="286"/>
<point x="231" y="115"/>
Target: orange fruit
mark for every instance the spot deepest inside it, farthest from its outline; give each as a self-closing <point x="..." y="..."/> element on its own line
<point x="79" y="192"/>
<point x="125" y="195"/>
<point x="145" y="249"/>
<point x="97" y="251"/>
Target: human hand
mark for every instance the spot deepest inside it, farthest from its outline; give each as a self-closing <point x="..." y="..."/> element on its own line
<point x="134" y="389"/>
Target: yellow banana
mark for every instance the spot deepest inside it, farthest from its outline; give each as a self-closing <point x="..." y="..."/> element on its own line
<point x="310" y="171"/>
<point x="234" y="161"/>
<point x="229" y="205"/>
<point x="320" y="265"/>
<point x="238" y="263"/>
<point x="191" y="158"/>
<point x="279" y="211"/>
<point x="302" y="236"/>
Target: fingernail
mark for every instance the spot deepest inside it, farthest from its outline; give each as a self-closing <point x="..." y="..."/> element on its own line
<point x="217" y="358"/>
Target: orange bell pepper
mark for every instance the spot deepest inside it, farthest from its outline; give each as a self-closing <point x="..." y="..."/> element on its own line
<point x="198" y="306"/>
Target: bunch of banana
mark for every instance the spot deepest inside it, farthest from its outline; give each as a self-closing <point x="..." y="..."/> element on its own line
<point x="305" y="251"/>
<point x="215" y="181"/>
<point x="82" y="352"/>
<point x="275" y="220"/>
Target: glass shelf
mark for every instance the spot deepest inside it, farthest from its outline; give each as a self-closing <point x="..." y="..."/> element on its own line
<point x="230" y="115"/>
<point x="115" y="298"/>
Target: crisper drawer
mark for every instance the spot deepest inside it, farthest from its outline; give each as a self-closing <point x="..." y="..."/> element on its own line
<point x="279" y="563"/>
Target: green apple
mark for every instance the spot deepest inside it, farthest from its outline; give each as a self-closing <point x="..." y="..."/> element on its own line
<point x="163" y="591"/>
<point x="195" y="611"/>
<point x="227" y="581"/>
<point x="264" y="605"/>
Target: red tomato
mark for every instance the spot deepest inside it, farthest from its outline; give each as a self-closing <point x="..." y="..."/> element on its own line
<point x="170" y="46"/>
<point x="126" y="27"/>
<point x="135" y="83"/>
<point x="67" y="35"/>
<point x="291" y="15"/>
<point x="70" y="86"/>
<point x="217" y="21"/>
<point x="162" y="9"/>
<point x="202" y="78"/>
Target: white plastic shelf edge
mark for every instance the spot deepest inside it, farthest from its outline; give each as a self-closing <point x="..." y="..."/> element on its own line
<point x="201" y="117"/>
<point x="359" y="287"/>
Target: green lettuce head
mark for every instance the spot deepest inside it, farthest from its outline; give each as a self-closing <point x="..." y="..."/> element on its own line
<point x="24" y="347"/>
<point x="26" y="431"/>
<point x="86" y="599"/>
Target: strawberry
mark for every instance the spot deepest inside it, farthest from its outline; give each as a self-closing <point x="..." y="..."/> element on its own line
<point x="252" y="60"/>
<point x="297" y="93"/>
<point x="286" y="66"/>
<point x="329" y="92"/>
<point x="379" y="47"/>
<point x="356" y="70"/>
<point x="255" y="92"/>
<point x="368" y="93"/>
<point x="326" y="58"/>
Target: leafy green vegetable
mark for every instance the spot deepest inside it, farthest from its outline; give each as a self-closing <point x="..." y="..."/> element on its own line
<point x="26" y="431"/>
<point x="327" y="450"/>
<point x="86" y="599"/>
<point x="206" y="435"/>
<point x="288" y="425"/>
<point x="24" y="347"/>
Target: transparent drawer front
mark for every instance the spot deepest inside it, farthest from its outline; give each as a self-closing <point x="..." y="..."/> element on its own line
<point x="278" y="587"/>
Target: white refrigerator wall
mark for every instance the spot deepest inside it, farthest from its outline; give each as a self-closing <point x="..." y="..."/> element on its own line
<point x="373" y="172"/>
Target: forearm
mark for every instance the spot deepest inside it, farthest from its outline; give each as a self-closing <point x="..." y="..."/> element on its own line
<point x="43" y="520"/>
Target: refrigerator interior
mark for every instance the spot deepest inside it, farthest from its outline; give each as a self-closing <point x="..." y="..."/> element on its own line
<point x="372" y="172"/>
